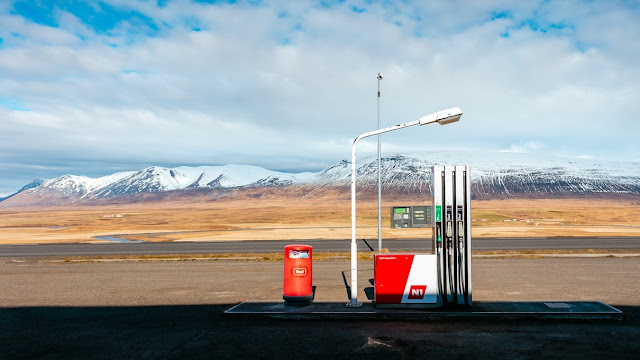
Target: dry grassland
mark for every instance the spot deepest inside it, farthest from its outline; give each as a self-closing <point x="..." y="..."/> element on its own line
<point x="305" y="218"/>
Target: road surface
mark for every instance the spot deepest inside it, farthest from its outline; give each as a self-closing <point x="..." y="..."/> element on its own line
<point x="266" y="246"/>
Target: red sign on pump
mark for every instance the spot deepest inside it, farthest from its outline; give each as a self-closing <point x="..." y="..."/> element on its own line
<point x="406" y="279"/>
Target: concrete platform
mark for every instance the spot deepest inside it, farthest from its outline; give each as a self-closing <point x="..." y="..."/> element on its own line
<point x="577" y="310"/>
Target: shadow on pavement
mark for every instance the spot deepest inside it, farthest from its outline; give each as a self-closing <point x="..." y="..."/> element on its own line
<point x="346" y="284"/>
<point x="204" y="332"/>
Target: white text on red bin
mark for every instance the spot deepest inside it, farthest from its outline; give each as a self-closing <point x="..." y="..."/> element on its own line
<point x="299" y="271"/>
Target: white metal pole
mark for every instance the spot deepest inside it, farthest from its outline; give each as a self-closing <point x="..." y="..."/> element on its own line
<point x="354" y="246"/>
<point x="379" y="176"/>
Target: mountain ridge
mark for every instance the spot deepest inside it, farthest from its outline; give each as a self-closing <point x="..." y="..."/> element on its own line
<point x="492" y="174"/>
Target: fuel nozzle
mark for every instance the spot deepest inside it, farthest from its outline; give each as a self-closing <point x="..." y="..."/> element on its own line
<point x="460" y="234"/>
<point x="438" y="238"/>
<point x="449" y="228"/>
<point x="449" y="233"/>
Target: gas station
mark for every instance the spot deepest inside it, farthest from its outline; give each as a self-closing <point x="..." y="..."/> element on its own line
<point x="426" y="285"/>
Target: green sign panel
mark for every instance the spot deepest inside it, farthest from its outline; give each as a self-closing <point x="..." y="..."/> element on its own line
<point x="438" y="212"/>
<point x="411" y="216"/>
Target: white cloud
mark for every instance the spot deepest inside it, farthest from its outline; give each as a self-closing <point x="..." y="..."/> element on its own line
<point x="289" y="85"/>
<point x="525" y="147"/>
<point x="586" y="157"/>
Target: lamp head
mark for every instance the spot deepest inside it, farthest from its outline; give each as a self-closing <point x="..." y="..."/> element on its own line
<point x="442" y="117"/>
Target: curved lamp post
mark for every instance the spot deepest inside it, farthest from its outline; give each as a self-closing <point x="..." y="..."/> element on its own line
<point x="442" y="117"/>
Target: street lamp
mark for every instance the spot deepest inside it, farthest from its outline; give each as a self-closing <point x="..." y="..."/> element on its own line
<point x="442" y="117"/>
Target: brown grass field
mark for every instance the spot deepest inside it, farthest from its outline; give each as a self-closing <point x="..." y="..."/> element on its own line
<point x="287" y="218"/>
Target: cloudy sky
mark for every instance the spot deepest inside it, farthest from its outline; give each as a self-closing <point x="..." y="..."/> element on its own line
<point x="91" y="88"/>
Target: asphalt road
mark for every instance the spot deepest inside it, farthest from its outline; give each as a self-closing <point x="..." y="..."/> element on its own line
<point x="265" y="246"/>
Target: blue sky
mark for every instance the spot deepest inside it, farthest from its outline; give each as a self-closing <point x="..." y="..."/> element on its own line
<point x="91" y="88"/>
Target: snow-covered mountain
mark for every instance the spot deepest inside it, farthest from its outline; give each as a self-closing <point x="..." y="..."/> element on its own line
<point x="492" y="174"/>
<point x="214" y="177"/>
<point x="154" y="179"/>
<point x="31" y="185"/>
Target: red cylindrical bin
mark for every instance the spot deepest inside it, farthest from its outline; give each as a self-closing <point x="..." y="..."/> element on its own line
<point x="298" y="288"/>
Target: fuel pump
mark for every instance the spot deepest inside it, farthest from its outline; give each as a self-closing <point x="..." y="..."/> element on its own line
<point x="441" y="278"/>
<point x="439" y="240"/>
<point x="462" y="185"/>
<point x="452" y="233"/>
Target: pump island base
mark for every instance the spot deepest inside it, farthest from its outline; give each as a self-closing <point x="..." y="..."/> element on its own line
<point x="575" y="310"/>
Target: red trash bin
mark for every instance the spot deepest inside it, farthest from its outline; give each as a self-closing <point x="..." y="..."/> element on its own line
<point x="298" y="285"/>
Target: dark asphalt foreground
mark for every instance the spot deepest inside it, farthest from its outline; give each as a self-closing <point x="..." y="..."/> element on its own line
<point x="174" y="310"/>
